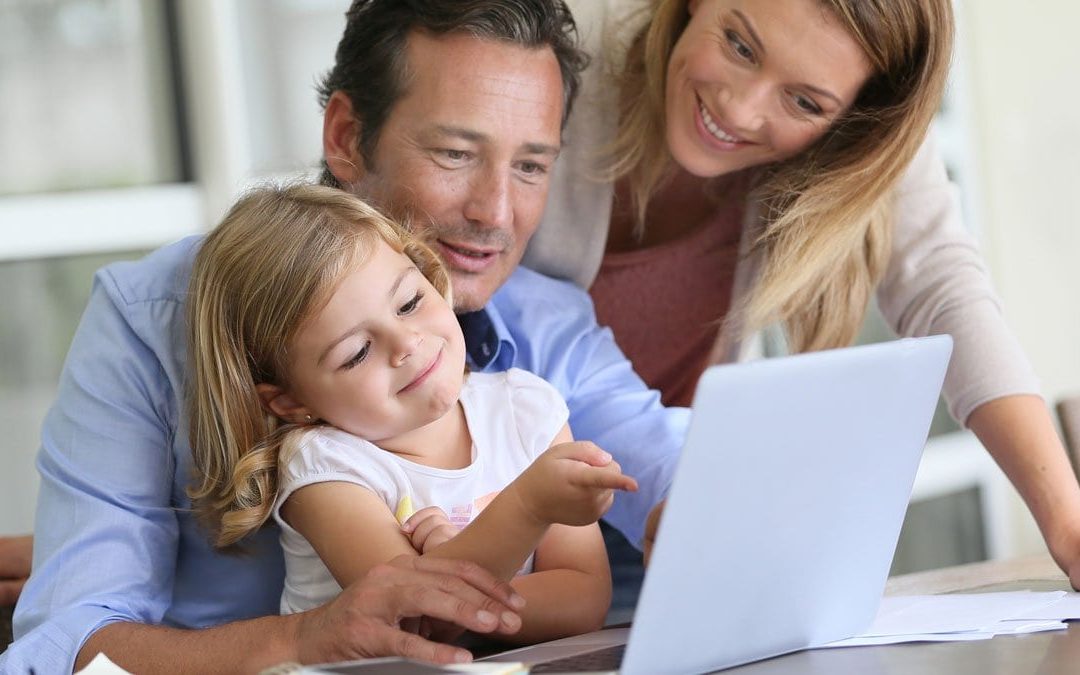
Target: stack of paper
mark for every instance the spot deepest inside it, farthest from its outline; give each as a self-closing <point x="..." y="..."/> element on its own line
<point x="967" y="616"/>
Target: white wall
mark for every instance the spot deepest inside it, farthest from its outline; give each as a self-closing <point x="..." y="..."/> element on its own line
<point x="1024" y="69"/>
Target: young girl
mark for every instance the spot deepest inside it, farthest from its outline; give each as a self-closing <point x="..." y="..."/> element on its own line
<point x="329" y="391"/>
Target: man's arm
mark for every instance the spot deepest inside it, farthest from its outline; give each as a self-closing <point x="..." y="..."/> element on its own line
<point x="106" y="531"/>
<point x="15" y="556"/>
<point x="362" y="622"/>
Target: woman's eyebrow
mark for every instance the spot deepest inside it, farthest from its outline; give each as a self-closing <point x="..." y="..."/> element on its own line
<point x="749" y="29"/>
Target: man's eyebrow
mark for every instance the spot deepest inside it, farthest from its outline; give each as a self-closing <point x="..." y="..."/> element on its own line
<point x="473" y="136"/>
<point x="356" y="329"/>
<point x="749" y="29"/>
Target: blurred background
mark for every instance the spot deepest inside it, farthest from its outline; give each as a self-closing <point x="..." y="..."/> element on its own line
<point x="126" y="124"/>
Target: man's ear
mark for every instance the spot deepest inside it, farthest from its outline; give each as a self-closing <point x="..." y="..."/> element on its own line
<point x="341" y="139"/>
<point x="277" y="402"/>
<point x="691" y="6"/>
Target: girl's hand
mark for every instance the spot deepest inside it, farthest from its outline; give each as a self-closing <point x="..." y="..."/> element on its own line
<point x="571" y="484"/>
<point x="427" y="528"/>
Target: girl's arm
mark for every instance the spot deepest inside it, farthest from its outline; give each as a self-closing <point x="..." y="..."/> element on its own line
<point x="569" y="590"/>
<point x="353" y="530"/>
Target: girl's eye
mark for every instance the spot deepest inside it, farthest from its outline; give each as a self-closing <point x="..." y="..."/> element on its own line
<point x="741" y="49"/>
<point x="412" y="304"/>
<point x="358" y="357"/>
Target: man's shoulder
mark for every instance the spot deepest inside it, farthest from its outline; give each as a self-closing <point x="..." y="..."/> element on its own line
<point x="161" y="275"/>
<point x="531" y="288"/>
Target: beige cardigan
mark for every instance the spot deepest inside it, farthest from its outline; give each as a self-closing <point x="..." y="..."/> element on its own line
<point x="935" y="282"/>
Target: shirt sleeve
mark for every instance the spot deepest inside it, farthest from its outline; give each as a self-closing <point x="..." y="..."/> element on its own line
<point x="324" y="454"/>
<point x="539" y="408"/>
<point x="937" y="283"/>
<point x="106" y="535"/>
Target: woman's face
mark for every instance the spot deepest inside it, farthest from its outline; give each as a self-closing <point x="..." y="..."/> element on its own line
<point x="752" y="82"/>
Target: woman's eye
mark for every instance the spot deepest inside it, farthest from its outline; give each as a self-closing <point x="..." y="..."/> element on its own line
<point x="807" y="105"/>
<point x="357" y="358"/>
<point x="738" y="46"/>
<point x="411" y="305"/>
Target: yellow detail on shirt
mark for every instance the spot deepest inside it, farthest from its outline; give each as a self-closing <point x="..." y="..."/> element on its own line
<point x="404" y="509"/>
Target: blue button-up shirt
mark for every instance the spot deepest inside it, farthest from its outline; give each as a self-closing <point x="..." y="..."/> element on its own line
<point x="115" y="539"/>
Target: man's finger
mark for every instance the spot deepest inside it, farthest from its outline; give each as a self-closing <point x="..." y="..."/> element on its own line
<point x="472" y="574"/>
<point x="399" y="643"/>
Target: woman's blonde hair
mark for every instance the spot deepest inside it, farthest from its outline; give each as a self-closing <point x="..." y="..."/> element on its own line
<point x="827" y="211"/>
<point x="273" y="261"/>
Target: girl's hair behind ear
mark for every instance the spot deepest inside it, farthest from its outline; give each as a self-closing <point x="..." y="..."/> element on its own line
<point x="274" y="260"/>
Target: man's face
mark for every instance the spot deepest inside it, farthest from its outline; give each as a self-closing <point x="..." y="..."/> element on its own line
<point x="466" y="154"/>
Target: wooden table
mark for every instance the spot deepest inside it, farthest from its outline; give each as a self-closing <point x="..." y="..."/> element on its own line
<point x="1047" y="653"/>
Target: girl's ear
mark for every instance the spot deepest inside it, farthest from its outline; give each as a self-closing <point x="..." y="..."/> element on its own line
<point x="692" y="5"/>
<point x="341" y="139"/>
<point x="277" y="402"/>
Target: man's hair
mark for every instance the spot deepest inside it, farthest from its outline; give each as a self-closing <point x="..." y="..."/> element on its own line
<point x="370" y="67"/>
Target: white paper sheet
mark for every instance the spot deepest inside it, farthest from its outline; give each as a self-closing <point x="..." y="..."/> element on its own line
<point x="959" y="617"/>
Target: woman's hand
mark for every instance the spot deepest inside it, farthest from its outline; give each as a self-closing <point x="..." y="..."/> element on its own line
<point x="571" y="484"/>
<point x="427" y="528"/>
<point x="652" y="527"/>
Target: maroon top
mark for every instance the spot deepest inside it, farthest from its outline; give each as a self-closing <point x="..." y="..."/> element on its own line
<point x="665" y="303"/>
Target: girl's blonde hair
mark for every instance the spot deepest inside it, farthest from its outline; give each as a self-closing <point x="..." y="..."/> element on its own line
<point x="827" y="211"/>
<point x="273" y="261"/>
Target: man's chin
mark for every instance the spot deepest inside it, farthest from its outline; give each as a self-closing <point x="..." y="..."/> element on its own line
<point x="469" y="295"/>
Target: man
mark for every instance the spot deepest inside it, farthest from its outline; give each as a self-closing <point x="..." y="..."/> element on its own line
<point x="445" y="111"/>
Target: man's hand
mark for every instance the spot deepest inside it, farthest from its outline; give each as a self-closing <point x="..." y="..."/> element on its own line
<point x="15" y="556"/>
<point x="366" y="619"/>
<point x="571" y="484"/>
<point x="427" y="528"/>
<point x="652" y="526"/>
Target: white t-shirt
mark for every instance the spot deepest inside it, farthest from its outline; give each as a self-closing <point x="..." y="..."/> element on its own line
<point x="512" y="416"/>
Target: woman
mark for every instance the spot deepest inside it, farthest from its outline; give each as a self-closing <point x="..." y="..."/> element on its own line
<point x="763" y="163"/>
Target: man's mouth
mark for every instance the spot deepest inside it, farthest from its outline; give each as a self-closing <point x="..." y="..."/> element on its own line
<point x="464" y="259"/>
<point x="472" y="252"/>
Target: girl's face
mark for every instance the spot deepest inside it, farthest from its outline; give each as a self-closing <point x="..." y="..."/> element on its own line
<point x="383" y="357"/>
<point x="751" y="82"/>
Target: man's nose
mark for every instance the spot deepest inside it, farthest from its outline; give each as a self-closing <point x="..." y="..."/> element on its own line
<point x="489" y="202"/>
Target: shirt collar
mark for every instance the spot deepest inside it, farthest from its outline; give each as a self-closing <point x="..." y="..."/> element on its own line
<point x="487" y="340"/>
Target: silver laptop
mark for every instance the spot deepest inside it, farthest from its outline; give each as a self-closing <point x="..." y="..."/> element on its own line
<point x="783" y="515"/>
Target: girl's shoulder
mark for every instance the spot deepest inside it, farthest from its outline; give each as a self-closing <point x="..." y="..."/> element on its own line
<point x="515" y="402"/>
<point x="326" y="451"/>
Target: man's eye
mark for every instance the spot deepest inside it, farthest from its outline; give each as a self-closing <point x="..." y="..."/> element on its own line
<point x="412" y="304"/>
<point x="456" y="155"/>
<point x="533" y="168"/>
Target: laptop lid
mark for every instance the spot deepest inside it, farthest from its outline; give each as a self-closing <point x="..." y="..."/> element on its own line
<point x="784" y="513"/>
<point x="786" y="506"/>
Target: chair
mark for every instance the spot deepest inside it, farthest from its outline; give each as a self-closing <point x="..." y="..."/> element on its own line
<point x="5" y="627"/>
<point x="1068" y="411"/>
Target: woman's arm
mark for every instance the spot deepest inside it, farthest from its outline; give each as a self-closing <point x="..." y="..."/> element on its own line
<point x="1019" y="434"/>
